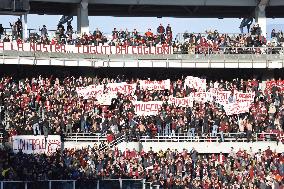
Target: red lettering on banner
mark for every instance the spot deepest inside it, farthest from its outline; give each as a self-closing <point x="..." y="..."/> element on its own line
<point x="20" y="46"/>
<point x="2" y="46"/>
<point x="133" y="47"/>
<point x="145" y="50"/>
<point x="166" y="49"/>
<point x="78" y="47"/>
<point x="118" y="50"/>
<point x="101" y="50"/>
<point x="38" y="47"/>
<point x="159" y="50"/>
<point x="139" y="50"/>
<point x="150" y="50"/>
<point x="105" y="49"/>
<point x="44" y="47"/>
<point x="63" y="48"/>
<point x="32" y="47"/>
<point x="125" y="49"/>
<point x="85" y="49"/>
<point x="91" y="50"/>
<point x="57" y="48"/>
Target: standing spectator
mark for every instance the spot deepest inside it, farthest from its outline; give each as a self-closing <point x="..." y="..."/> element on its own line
<point x="215" y="127"/>
<point x="1" y="30"/>
<point x="161" y="29"/>
<point x="115" y="34"/>
<point x="43" y="31"/>
<point x="69" y="125"/>
<point x="45" y="127"/>
<point x="168" y="29"/>
<point x="19" y="27"/>
<point x="249" y="130"/>
<point x="34" y="121"/>
<point x="161" y="33"/>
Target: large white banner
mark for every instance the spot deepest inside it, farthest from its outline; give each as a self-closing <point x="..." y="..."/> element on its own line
<point x="244" y="97"/>
<point x="147" y="108"/>
<point x="86" y="49"/>
<point x="195" y="83"/>
<point x="202" y="96"/>
<point x="155" y="85"/>
<point x="123" y="88"/>
<point x="105" y="99"/>
<point x="111" y="89"/>
<point x="31" y="144"/>
<point x="222" y="97"/>
<point x="236" y="108"/>
<point x="181" y="102"/>
<point x="90" y="91"/>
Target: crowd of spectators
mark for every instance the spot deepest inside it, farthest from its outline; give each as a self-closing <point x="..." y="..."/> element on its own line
<point x="190" y="43"/>
<point x="45" y="106"/>
<point x="170" y="169"/>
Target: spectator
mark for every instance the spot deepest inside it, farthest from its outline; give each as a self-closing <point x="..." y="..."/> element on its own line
<point x="43" y="31"/>
<point x="1" y="30"/>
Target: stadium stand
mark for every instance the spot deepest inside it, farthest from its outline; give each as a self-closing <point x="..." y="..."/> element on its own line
<point x="59" y="131"/>
<point x="210" y="42"/>
<point x="167" y="169"/>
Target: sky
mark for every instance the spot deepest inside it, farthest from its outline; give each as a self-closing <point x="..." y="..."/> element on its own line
<point x="179" y="25"/>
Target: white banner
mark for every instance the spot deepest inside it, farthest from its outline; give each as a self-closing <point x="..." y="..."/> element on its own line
<point x="237" y="108"/>
<point x="202" y="96"/>
<point x="181" y="102"/>
<point x="222" y="97"/>
<point x="31" y="144"/>
<point x="155" y="85"/>
<point x="245" y="97"/>
<point x="111" y="88"/>
<point x="86" y="49"/>
<point x="147" y="108"/>
<point x="90" y="91"/>
<point x="195" y="83"/>
<point x="123" y="88"/>
<point x="105" y="99"/>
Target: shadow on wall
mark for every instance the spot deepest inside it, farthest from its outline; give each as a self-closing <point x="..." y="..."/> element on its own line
<point x="22" y="71"/>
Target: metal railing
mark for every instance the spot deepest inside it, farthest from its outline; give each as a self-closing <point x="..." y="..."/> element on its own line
<point x="181" y="137"/>
<point x="79" y="184"/>
<point x="85" y="137"/>
<point x="228" y="137"/>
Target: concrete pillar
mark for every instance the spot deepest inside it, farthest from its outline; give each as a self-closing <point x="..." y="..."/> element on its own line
<point x="25" y="26"/>
<point x="82" y="17"/>
<point x="260" y="18"/>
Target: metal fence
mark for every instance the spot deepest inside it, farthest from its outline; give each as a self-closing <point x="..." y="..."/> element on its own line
<point x="79" y="184"/>
<point x="179" y="137"/>
<point x="228" y="137"/>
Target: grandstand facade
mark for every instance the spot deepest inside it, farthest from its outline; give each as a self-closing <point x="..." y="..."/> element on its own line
<point x="141" y="110"/>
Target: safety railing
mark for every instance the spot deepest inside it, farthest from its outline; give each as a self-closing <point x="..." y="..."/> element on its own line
<point x="79" y="184"/>
<point x="85" y="137"/>
<point x="227" y="137"/>
<point x="181" y="137"/>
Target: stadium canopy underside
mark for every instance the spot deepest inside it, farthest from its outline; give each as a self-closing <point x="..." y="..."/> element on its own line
<point x="153" y="8"/>
<point x="219" y="9"/>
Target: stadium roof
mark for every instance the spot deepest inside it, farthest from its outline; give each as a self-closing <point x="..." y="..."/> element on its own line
<point x="159" y="8"/>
